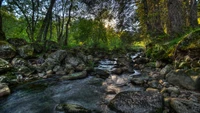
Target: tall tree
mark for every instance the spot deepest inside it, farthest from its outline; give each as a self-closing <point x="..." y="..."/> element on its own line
<point x="2" y="34"/>
<point x="30" y="10"/>
<point x="42" y="35"/>
<point x="176" y="21"/>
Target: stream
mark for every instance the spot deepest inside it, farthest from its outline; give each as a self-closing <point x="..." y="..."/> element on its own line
<point x="42" y="96"/>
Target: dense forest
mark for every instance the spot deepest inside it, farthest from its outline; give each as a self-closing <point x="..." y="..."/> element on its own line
<point x="100" y="56"/>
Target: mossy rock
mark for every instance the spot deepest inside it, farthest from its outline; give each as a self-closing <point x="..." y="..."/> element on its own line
<point x="17" y="41"/>
<point x="26" y="51"/>
<point x="7" y="51"/>
<point x="38" y="48"/>
<point x="4" y="65"/>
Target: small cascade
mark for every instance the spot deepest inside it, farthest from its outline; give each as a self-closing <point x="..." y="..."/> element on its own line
<point x="107" y="64"/>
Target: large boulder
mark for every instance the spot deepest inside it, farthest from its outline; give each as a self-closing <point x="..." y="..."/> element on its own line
<point x="7" y="51"/>
<point x="180" y="78"/>
<point x="4" y="90"/>
<point x="137" y="102"/>
<point x="17" y="41"/>
<point x="26" y="51"/>
<point x="184" y="106"/>
<point x="58" y="55"/>
<point x="73" y="60"/>
<point x="4" y="65"/>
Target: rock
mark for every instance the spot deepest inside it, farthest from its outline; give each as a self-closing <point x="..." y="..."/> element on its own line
<point x="166" y="70"/>
<point x="49" y="72"/>
<point x="80" y="67"/>
<point x="158" y="64"/>
<point x="17" y="41"/>
<point x="74" y="61"/>
<point x="180" y="78"/>
<point x="52" y="46"/>
<point x="72" y="108"/>
<point x="4" y="90"/>
<point x="26" y="51"/>
<point x="173" y="91"/>
<point x="7" y="51"/>
<point x="38" y="48"/>
<point x="73" y="76"/>
<point x="58" y="55"/>
<point x="184" y="106"/>
<point x="153" y="83"/>
<point x="117" y="71"/>
<point x="49" y="64"/>
<point x="141" y="60"/>
<point x="4" y="65"/>
<point x="139" y="80"/>
<point x="17" y="62"/>
<point x="26" y="71"/>
<point x="101" y="73"/>
<point x="68" y="68"/>
<point x="137" y="102"/>
<point x="152" y="90"/>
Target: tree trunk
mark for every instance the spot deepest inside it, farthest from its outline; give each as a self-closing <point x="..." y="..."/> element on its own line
<point x="45" y="24"/>
<point x="67" y="25"/>
<point x="2" y="34"/>
<point x="175" y="17"/>
<point x="193" y="13"/>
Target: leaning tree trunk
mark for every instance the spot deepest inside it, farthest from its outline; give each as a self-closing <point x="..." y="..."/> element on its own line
<point x="175" y="17"/>
<point x="2" y="34"/>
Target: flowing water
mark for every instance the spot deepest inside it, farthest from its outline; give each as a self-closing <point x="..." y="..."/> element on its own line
<point x="42" y="96"/>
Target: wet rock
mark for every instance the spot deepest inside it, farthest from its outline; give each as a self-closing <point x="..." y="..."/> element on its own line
<point x="7" y="51"/>
<point x="72" y="108"/>
<point x="4" y="65"/>
<point x="4" y="90"/>
<point x="17" y="41"/>
<point x="101" y="73"/>
<point x="180" y="78"/>
<point x="73" y="76"/>
<point x="26" y="51"/>
<point x="184" y="106"/>
<point x="137" y="102"/>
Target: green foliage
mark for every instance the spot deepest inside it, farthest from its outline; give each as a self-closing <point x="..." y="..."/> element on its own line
<point x="13" y="26"/>
<point x="89" y="32"/>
